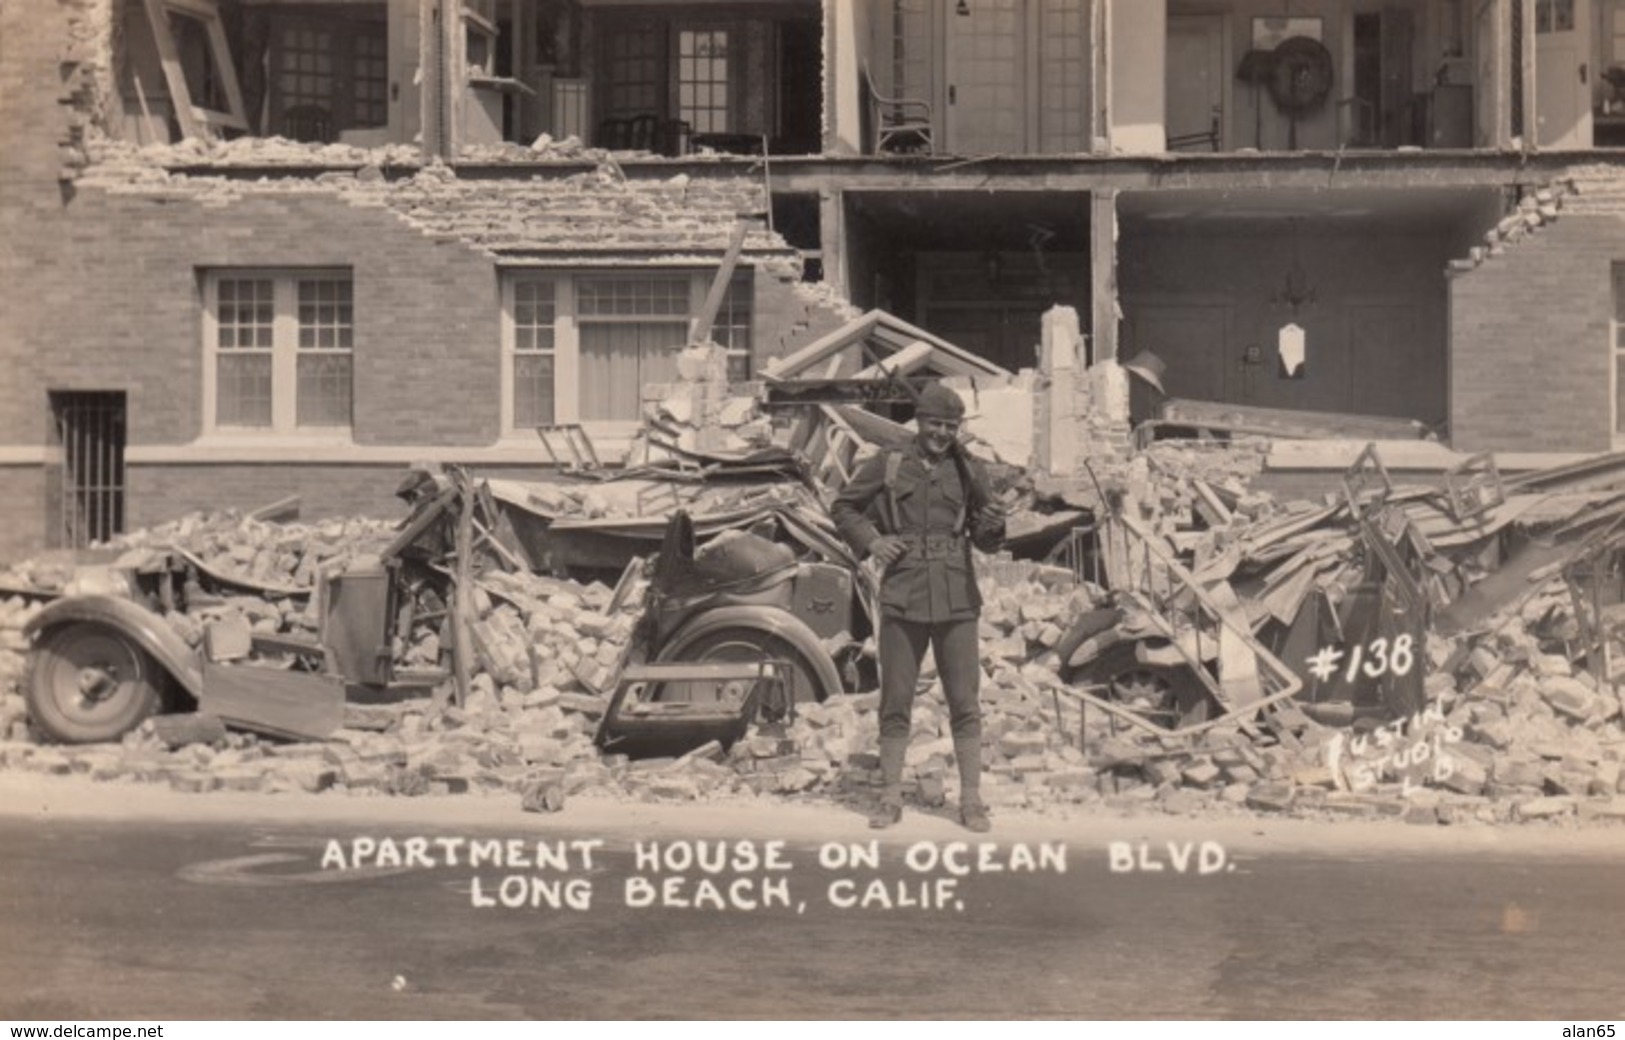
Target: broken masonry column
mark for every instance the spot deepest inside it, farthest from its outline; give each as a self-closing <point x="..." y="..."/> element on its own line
<point x="1100" y="434"/>
<point x="1056" y="447"/>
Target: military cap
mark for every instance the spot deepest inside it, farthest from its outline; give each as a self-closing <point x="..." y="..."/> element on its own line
<point x="939" y="402"/>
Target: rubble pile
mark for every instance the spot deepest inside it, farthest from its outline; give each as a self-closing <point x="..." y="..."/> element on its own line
<point x="1514" y="724"/>
<point x="702" y="411"/>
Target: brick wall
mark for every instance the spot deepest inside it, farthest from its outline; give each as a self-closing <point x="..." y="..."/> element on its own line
<point x="114" y="304"/>
<point x="168" y="492"/>
<point x="100" y="282"/>
<point x="1529" y="342"/>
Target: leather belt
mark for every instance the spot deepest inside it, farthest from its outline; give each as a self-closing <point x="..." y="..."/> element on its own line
<point x="936" y="546"/>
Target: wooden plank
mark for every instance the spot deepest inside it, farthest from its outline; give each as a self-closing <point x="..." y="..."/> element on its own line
<point x="700" y="330"/>
<point x="1288" y="423"/>
<point x="821" y="349"/>
<point x="1221" y="512"/>
<point x="951" y="359"/>
<point x="905" y="362"/>
<point x="1283" y="601"/>
<point x="282" y="510"/>
<point x="180" y="97"/>
<point x="298" y="705"/>
<point x="883" y="433"/>
<point x="462" y="595"/>
<point x="1238" y="666"/>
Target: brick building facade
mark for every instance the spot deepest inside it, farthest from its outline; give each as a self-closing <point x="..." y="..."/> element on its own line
<point x="498" y="213"/>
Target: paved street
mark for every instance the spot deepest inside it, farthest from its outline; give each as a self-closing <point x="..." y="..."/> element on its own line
<point x="160" y="917"/>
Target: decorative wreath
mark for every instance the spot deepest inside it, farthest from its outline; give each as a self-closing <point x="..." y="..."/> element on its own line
<point x="1301" y="78"/>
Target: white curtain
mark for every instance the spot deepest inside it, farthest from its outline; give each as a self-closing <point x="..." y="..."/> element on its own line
<point x="619" y="358"/>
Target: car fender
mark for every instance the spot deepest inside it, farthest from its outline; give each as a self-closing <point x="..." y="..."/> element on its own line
<point x="767" y="619"/>
<point x="146" y="628"/>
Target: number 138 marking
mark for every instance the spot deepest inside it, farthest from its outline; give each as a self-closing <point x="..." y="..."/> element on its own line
<point x="1399" y="659"/>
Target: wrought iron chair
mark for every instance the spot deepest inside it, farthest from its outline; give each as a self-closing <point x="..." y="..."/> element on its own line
<point x="899" y="124"/>
<point x="1209" y="137"/>
<point x="310" y="123"/>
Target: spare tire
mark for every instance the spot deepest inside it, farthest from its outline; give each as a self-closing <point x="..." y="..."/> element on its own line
<point x="1301" y="77"/>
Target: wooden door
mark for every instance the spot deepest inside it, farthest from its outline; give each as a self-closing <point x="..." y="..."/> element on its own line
<point x="1562" y="74"/>
<point x="987" y="78"/>
<point x="1196" y="79"/>
<point x="1398" y="42"/>
<point x="1192" y="339"/>
<point x="1395" y="367"/>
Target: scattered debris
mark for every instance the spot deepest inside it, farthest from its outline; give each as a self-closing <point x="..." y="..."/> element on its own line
<point x="1181" y="641"/>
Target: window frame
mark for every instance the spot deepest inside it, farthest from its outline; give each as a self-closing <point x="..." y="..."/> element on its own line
<point x="285" y="352"/>
<point x="732" y="42"/>
<point x="347" y="102"/>
<point x="567" y="340"/>
<point x="194" y="119"/>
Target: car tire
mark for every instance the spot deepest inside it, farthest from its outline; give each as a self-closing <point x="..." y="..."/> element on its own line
<point x="91" y="683"/>
<point x="740" y="644"/>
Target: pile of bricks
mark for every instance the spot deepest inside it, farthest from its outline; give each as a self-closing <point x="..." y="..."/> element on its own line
<point x="702" y="411"/>
<point x="1527" y="734"/>
<point x="1535" y="210"/>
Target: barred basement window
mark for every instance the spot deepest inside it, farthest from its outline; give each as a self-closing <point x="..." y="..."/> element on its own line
<point x="279" y="351"/>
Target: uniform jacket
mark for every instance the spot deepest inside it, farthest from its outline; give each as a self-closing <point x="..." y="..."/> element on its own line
<point x="934" y="580"/>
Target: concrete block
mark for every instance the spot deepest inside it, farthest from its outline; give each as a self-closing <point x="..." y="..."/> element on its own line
<point x="1568" y="697"/>
<point x="544" y="793"/>
<point x="1545" y="808"/>
<point x="1517" y="770"/>
<point x="1270" y="796"/>
<point x="1203" y="774"/>
<point x="1023" y="742"/>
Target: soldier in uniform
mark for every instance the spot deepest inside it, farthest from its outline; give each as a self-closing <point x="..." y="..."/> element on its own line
<point x="917" y="512"/>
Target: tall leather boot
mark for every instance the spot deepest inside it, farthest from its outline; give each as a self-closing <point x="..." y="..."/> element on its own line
<point x="890" y="810"/>
<point x="972" y="811"/>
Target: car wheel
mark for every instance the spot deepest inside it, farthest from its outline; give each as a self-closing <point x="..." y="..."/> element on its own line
<point x="1165" y="696"/>
<point x="740" y="645"/>
<point x="91" y="683"/>
<point x="1169" y="697"/>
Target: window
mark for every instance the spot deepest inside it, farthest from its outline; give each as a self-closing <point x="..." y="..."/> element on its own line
<point x="480" y="36"/>
<point x="532" y="357"/>
<point x="1554" y="16"/>
<point x="702" y="80"/>
<point x="279" y="351"/>
<point x="330" y="76"/>
<point x="197" y="64"/>
<point x="634" y="71"/>
<point x="581" y="348"/>
<point x="631" y="328"/>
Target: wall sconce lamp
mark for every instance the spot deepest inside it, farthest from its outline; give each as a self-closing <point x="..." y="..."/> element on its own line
<point x="962" y="9"/>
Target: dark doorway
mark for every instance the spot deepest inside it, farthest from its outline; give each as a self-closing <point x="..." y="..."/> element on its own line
<point x="1386" y="111"/>
<point x="89" y="427"/>
<point x="801" y="75"/>
<point x="1367" y="80"/>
